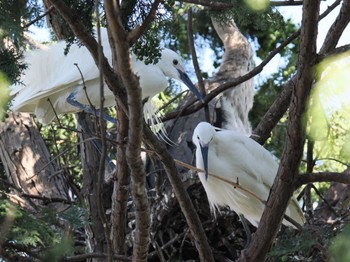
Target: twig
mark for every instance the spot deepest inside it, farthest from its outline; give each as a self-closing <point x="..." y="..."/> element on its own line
<point x="325" y="200"/>
<point x="101" y="168"/>
<point x="234" y="184"/>
<point x="217" y="5"/>
<point x="134" y="35"/>
<point x="195" y="61"/>
<point x="167" y="244"/>
<point x="83" y="257"/>
<point x="39" y="17"/>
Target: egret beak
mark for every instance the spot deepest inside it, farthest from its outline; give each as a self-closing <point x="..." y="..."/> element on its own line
<point x="205" y="149"/>
<point x="187" y="81"/>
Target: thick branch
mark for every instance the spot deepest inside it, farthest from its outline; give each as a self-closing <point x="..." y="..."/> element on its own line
<point x="182" y="196"/>
<point x="217" y="5"/>
<point x="133" y="150"/>
<point x="283" y="186"/>
<point x="306" y="178"/>
<point x="337" y="28"/>
<point x="121" y="187"/>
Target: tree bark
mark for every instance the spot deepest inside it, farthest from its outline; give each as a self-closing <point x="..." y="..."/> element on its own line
<point x="283" y="186"/>
<point x="27" y="163"/>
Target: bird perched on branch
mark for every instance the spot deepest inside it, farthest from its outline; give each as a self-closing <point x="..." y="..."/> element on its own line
<point x="52" y="83"/>
<point x="235" y="158"/>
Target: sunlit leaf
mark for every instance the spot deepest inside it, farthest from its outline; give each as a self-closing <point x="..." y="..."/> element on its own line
<point x="4" y="95"/>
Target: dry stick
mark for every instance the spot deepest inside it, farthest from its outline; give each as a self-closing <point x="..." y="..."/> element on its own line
<point x="195" y="61"/>
<point x="167" y="244"/>
<point x="238" y="186"/>
<point x="84" y="86"/>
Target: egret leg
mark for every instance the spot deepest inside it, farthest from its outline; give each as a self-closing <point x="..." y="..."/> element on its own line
<point x="97" y="144"/>
<point x="246" y="229"/>
<point x="71" y="100"/>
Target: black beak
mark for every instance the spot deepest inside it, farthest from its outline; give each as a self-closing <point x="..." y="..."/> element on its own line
<point x="187" y="81"/>
<point x="205" y="149"/>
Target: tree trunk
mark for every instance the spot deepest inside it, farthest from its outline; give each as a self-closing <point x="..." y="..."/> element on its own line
<point x="90" y="165"/>
<point x="28" y="166"/>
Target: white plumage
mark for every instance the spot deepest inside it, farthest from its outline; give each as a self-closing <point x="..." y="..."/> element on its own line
<point x="237" y="158"/>
<point x="51" y="75"/>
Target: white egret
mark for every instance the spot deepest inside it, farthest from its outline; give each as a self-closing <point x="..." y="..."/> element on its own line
<point x="239" y="159"/>
<point x="53" y="84"/>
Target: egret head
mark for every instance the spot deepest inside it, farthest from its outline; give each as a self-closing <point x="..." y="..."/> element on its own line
<point x="171" y="65"/>
<point x="203" y="134"/>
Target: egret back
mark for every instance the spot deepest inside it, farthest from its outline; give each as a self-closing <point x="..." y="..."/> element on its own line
<point x="53" y="75"/>
<point x="239" y="159"/>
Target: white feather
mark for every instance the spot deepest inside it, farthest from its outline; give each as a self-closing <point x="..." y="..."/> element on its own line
<point x="52" y="76"/>
<point x="239" y="159"/>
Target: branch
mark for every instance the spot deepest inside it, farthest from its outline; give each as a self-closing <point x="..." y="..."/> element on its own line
<point x="281" y="104"/>
<point x="39" y="17"/>
<point x="133" y="149"/>
<point x="195" y="61"/>
<point x="217" y="5"/>
<point x="337" y="28"/>
<point x="134" y="35"/>
<point x="186" y="205"/>
<point x="84" y="257"/>
<point x="121" y="187"/>
<point x="335" y="51"/>
<point x="212" y="4"/>
<point x="283" y="186"/>
<point x="306" y="178"/>
<point x="286" y="3"/>
<point x="46" y="200"/>
<point x="222" y="85"/>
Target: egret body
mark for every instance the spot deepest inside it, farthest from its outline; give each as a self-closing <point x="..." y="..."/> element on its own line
<point x="52" y="83"/>
<point x="237" y="158"/>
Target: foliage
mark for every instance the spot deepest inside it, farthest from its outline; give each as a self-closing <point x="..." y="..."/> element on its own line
<point x="147" y="48"/>
<point x="41" y="231"/>
<point x="13" y="15"/>
<point x="62" y="140"/>
<point x="310" y="244"/>
<point x="328" y="122"/>
<point x="85" y="9"/>
<point x="340" y="249"/>
<point x="5" y="96"/>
